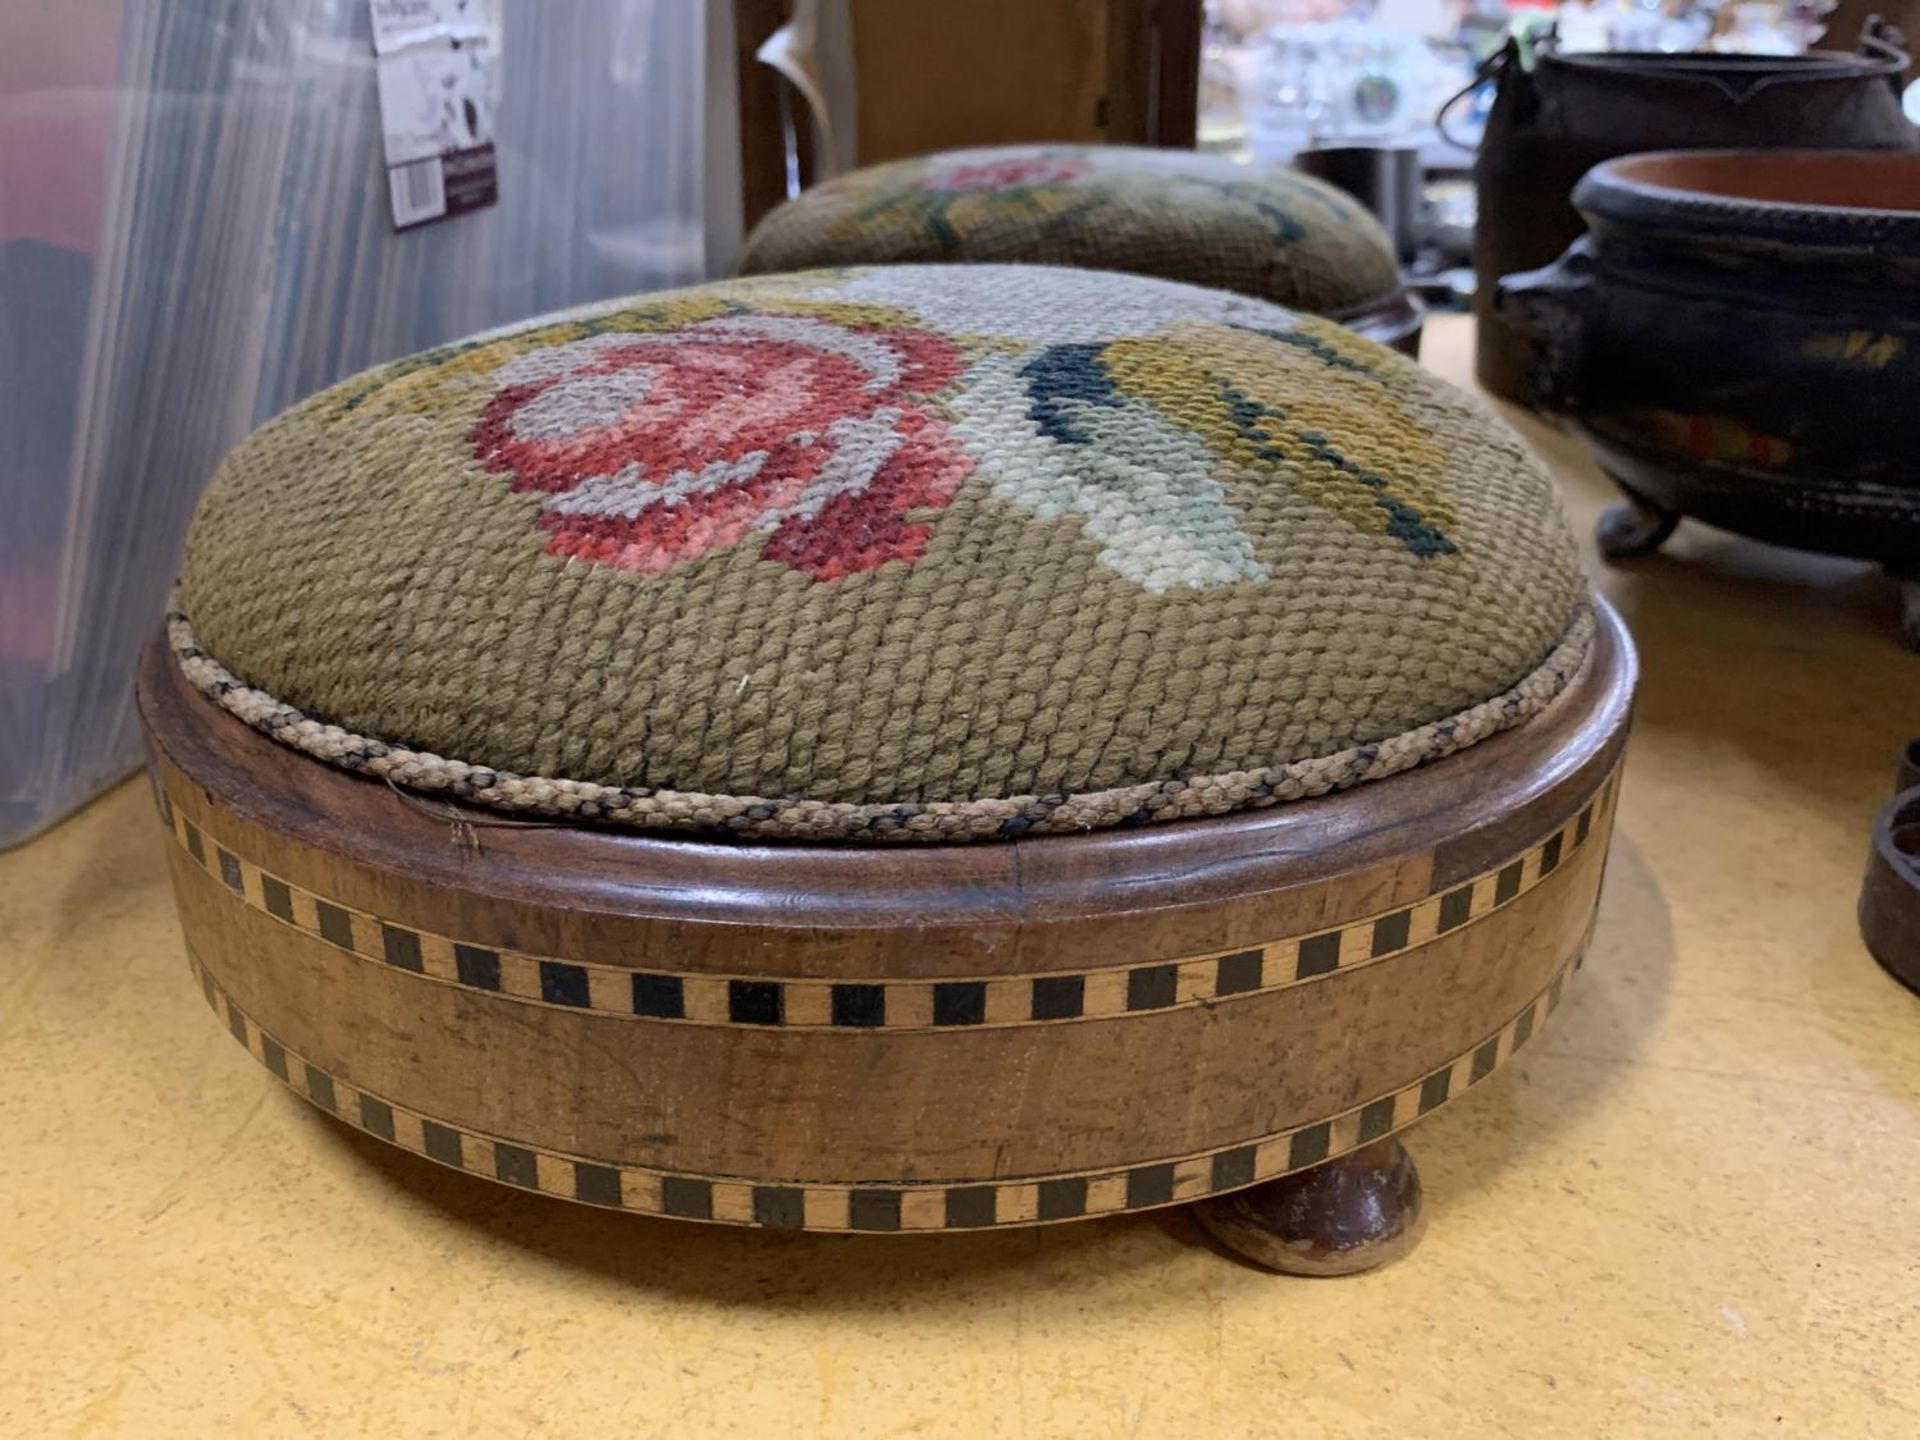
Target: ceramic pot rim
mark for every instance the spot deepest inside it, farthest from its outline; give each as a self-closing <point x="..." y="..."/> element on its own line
<point x="1613" y="191"/>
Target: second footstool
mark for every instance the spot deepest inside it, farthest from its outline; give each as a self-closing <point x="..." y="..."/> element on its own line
<point x="1273" y="234"/>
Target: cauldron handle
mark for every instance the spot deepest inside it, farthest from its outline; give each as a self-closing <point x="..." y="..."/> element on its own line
<point x="1558" y="309"/>
<point x="1882" y="40"/>
<point x="1503" y="63"/>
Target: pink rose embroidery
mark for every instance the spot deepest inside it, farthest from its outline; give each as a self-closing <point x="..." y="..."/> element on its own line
<point x="659" y="447"/>
<point x="1007" y="174"/>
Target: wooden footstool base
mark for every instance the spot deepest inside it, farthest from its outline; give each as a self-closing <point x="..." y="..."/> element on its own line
<point x="928" y="1038"/>
<point x="1398" y="322"/>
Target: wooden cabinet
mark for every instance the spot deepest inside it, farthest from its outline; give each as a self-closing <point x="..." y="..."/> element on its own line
<point x="940" y="74"/>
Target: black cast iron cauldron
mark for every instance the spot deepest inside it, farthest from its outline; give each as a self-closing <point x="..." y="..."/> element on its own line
<point x="1737" y="338"/>
<point x="1553" y="120"/>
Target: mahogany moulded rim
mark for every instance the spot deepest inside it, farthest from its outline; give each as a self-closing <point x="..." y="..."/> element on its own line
<point x="1394" y="320"/>
<point x="1034" y="903"/>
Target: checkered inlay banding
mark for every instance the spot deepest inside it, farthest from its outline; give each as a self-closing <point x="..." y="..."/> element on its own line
<point x="945" y="1205"/>
<point x="890" y="1004"/>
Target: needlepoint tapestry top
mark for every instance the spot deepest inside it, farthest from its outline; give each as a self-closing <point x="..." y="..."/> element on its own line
<point x="898" y="537"/>
<point x="1258" y="230"/>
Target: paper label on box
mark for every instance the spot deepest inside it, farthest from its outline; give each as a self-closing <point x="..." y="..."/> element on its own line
<point x="398" y="23"/>
<point x="437" y="68"/>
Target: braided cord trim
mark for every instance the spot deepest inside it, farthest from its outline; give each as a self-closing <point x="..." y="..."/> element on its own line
<point x="927" y="822"/>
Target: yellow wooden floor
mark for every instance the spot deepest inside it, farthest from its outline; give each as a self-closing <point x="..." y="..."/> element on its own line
<point x="1690" y="1209"/>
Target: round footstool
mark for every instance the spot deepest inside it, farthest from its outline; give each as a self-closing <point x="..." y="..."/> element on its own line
<point x="1273" y="234"/>
<point x="920" y="748"/>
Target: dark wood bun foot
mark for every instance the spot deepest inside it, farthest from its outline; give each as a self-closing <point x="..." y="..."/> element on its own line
<point x="1351" y="1214"/>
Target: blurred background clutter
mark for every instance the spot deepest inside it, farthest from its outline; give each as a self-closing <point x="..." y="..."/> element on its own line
<point x="1283" y="79"/>
<point x="196" y="231"/>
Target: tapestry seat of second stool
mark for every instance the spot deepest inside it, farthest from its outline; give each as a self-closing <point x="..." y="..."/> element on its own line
<point x="1270" y="233"/>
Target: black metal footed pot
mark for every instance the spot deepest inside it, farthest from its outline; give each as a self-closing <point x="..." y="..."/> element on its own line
<point x="1737" y="338"/>
<point x="1553" y="120"/>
